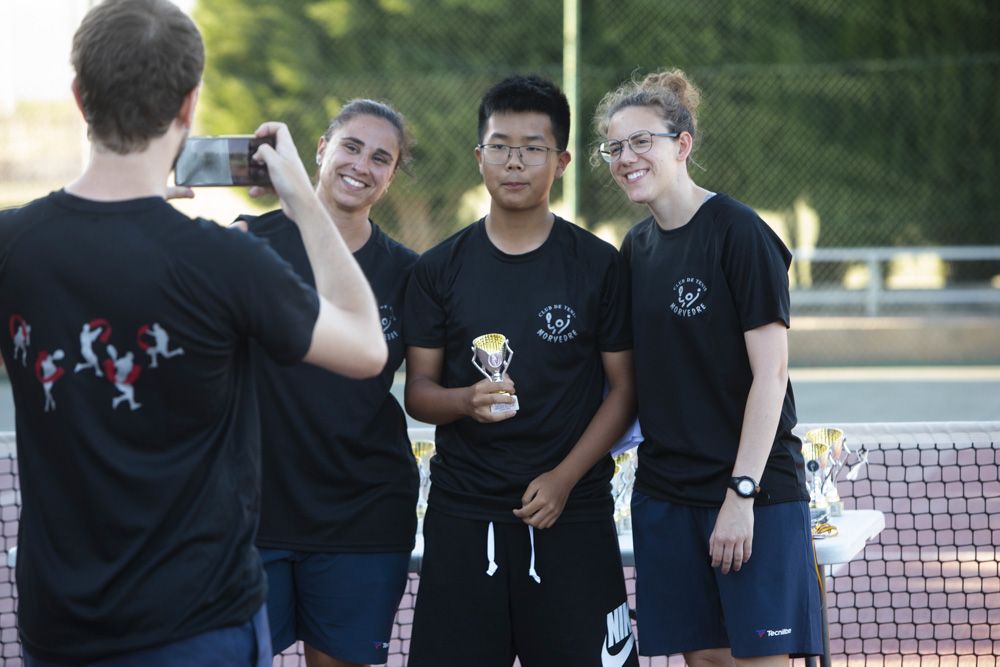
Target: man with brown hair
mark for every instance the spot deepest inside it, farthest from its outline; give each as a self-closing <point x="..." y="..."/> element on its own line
<point x="137" y="522"/>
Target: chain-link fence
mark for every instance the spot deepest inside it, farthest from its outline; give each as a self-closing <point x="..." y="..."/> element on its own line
<point x="846" y="125"/>
<point x="853" y="124"/>
<point x="849" y="126"/>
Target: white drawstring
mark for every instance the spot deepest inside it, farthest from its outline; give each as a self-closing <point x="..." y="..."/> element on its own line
<point x="531" y="567"/>
<point x="491" y="551"/>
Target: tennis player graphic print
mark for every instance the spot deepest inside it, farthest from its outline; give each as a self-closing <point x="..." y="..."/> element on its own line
<point x="122" y="372"/>
<point x="91" y="332"/>
<point x="20" y="333"/>
<point x="161" y="343"/>
<point x="47" y="373"/>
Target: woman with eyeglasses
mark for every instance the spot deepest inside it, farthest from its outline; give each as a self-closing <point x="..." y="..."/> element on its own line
<point x="725" y="570"/>
<point x="339" y="484"/>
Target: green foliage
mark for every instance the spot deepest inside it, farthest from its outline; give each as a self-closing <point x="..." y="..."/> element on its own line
<point x="883" y="115"/>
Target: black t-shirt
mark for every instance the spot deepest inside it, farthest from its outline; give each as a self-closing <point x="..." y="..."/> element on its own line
<point x="338" y="474"/>
<point x="695" y="291"/>
<point x="137" y="425"/>
<point x="559" y="306"/>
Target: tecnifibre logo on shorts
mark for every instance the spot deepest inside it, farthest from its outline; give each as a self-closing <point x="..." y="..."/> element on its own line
<point x="773" y="633"/>
<point x="619" y="633"/>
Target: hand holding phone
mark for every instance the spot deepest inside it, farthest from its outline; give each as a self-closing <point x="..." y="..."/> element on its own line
<point x="289" y="179"/>
<point x="222" y="161"/>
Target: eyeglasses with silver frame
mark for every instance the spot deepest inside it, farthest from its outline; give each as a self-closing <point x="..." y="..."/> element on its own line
<point x="531" y="155"/>
<point x="640" y="142"/>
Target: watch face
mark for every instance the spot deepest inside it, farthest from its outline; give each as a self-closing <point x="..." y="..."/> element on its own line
<point x="745" y="487"/>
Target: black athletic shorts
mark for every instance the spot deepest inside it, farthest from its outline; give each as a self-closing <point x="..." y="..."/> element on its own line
<point x="556" y="597"/>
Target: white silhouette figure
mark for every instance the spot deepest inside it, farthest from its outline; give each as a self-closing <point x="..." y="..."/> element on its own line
<point x="122" y="372"/>
<point x="559" y="325"/>
<point x="87" y="337"/>
<point x="161" y="339"/>
<point x="47" y="373"/>
<point x="21" y="333"/>
<point x="688" y="299"/>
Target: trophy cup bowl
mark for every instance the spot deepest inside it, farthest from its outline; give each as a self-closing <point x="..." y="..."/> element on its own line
<point x="491" y="355"/>
<point x="831" y="441"/>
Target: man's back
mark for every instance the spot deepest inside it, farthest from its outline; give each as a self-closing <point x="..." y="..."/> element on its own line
<point x="137" y="429"/>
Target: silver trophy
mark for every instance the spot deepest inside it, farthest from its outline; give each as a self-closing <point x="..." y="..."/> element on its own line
<point x="423" y="450"/>
<point x="826" y="453"/>
<point x="621" y="489"/>
<point x="491" y="355"/>
<point x="816" y="454"/>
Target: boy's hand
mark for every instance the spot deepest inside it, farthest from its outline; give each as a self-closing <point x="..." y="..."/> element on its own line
<point x="486" y="393"/>
<point x="544" y="499"/>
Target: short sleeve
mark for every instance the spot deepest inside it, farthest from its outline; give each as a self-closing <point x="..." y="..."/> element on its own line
<point x="266" y="298"/>
<point x="423" y="309"/>
<point x="755" y="263"/>
<point x="615" y="333"/>
<point x="626" y="249"/>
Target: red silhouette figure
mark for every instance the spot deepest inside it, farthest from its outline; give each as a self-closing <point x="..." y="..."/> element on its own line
<point x="47" y="373"/>
<point x="161" y="341"/>
<point x="122" y="372"/>
<point x="20" y="333"/>
<point x="92" y="331"/>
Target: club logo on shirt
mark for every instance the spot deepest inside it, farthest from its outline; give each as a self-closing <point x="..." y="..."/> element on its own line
<point x="689" y="297"/>
<point x="390" y="323"/>
<point x="558" y="322"/>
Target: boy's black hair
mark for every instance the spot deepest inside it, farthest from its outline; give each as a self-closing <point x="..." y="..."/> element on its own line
<point x="523" y="93"/>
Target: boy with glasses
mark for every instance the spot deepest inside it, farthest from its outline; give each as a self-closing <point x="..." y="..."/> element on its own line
<point x="521" y="556"/>
<point x="135" y="546"/>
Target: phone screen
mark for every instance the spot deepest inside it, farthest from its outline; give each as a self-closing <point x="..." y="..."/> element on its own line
<point x="221" y="161"/>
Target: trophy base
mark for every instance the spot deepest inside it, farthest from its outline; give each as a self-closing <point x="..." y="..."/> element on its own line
<point x="818" y="515"/>
<point x="500" y="408"/>
<point x="836" y="508"/>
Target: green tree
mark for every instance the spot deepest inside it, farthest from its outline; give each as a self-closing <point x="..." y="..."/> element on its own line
<point x="300" y="60"/>
<point x="884" y="115"/>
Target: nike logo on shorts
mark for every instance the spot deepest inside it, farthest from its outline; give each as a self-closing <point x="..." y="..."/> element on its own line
<point x="619" y="629"/>
<point x="619" y="658"/>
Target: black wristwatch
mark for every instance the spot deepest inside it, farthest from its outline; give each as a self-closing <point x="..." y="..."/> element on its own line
<point x="745" y="487"/>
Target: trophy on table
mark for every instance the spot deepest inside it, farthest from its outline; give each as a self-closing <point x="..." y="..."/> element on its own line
<point x="621" y="489"/>
<point x="491" y="355"/>
<point x="826" y="453"/>
<point x="423" y="450"/>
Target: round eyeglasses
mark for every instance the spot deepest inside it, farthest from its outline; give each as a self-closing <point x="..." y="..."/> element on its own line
<point x="531" y="156"/>
<point x="639" y="142"/>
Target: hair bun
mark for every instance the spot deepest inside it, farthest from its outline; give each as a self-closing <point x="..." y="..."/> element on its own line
<point x="677" y="83"/>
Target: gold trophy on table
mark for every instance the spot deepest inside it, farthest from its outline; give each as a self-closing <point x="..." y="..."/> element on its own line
<point x="826" y="453"/>
<point x="621" y="489"/>
<point x="491" y="355"/>
<point x="816" y="453"/>
<point x="423" y="450"/>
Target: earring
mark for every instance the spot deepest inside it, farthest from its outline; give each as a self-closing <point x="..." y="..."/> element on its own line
<point x="319" y="160"/>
